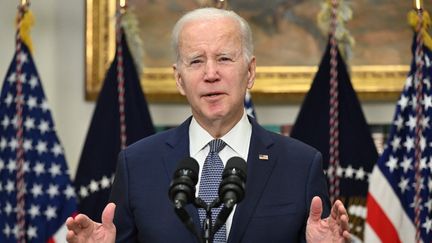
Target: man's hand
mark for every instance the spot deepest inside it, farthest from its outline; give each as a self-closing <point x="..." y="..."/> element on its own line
<point x="82" y="229"/>
<point x="334" y="229"/>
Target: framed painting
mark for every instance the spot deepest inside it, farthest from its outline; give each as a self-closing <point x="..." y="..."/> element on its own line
<point x="288" y="46"/>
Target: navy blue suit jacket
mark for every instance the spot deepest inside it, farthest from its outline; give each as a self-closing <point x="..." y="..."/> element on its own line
<point x="276" y="204"/>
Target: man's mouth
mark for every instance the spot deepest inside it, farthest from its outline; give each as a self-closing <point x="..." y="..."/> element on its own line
<point x="212" y="94"/>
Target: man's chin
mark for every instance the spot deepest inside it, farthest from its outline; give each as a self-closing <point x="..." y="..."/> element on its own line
<point x="216" y="116"/>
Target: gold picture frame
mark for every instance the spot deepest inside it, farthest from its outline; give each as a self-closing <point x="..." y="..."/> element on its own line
<point x="274" y="84"/>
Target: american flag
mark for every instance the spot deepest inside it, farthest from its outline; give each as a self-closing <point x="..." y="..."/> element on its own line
<point x="390" y="206"/>
<point x="49" y="196"/>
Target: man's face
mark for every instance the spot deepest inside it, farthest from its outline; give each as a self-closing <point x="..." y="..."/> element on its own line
<point x="213" y="73"/>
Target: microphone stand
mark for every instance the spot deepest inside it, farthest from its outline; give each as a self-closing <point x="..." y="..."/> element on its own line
<point x="187" y="221"/>
<point x="207" y="236"/>
<point x="208" y="229"/>
<point x="222" y="217"/>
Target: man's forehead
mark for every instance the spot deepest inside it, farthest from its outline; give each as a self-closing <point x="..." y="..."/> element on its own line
<point x="210" y="25"/>
<point x="217" y="46"/>
<point x="209" y="34"/>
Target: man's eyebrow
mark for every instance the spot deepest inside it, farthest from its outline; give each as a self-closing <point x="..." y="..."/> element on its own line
<point x="230" y="53"/>
<point x="193" y="55"/>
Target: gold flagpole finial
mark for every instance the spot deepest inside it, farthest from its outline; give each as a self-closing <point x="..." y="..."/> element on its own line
<point x="24" y="3"/>
<point x="222" y="4"/>
<point x="122" y="3"/>
<point x="418" y="5"/>
<point x="123" y="6"/>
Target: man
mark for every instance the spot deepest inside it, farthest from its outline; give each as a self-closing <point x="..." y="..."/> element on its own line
<point x="285" y="187"/>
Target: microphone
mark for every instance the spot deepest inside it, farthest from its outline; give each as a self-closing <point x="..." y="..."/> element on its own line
<point x="182" y="191"/>
<point x="232" y="187"/>
<point x="185" y="178"/>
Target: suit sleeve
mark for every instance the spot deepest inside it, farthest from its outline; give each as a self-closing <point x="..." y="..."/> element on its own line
<point x="123" y="217"/>
<point x="317" y="185"/>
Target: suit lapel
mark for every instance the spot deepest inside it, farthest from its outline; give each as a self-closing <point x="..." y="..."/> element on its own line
<point x="177" y="148"/>
<point x="260" y="164"/>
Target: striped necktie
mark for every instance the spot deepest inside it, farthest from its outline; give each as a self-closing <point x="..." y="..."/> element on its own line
<point x="211" y="177"/>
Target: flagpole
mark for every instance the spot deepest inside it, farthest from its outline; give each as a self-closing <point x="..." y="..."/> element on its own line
<point x="418" y="81"/>
<point x="120" y="73"/>
<point x="334" y="108"/>
<point x="20" y="197"/>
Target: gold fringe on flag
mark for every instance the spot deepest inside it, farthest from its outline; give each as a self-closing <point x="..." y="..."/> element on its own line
<point x="342" y="35"/>
<point x="27" y="21"/>
<point x="413" y="21"/>
<point x="129" y="22"/>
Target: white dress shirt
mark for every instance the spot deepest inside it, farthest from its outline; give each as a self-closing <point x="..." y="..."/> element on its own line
<point x="237" y="141"/>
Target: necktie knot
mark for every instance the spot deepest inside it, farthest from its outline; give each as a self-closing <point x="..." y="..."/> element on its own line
<point x="216" y="145"/>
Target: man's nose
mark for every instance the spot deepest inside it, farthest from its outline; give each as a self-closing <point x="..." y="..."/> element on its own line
<point x="211" y="71"/>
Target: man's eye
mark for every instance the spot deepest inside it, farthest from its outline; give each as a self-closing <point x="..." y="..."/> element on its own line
<point x="224" y="59"/>
<point x="195" y="62"/>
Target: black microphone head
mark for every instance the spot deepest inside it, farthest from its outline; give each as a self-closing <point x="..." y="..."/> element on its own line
<point x="188" y="167"/>
<point x="232" y="187"/>
<point x="235" y="165"/>
<point x="182" y="187"/>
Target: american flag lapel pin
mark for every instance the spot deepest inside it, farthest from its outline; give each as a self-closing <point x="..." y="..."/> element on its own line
<point x="263" y="156"/>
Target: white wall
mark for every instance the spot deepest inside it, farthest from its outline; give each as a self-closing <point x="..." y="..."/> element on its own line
<point x="58" y="38"/>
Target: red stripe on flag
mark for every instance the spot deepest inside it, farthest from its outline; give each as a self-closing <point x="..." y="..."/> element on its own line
<point x="379" y="222"/>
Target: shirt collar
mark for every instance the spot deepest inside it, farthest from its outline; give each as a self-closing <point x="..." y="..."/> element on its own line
<point x="199" y="138"/>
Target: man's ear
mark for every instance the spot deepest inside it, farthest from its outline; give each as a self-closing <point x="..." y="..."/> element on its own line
<point x="251" y="73"/>
<point x="178" y="79"/>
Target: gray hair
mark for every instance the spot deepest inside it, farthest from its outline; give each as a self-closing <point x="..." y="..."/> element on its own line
<point x="213" y="13"/>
